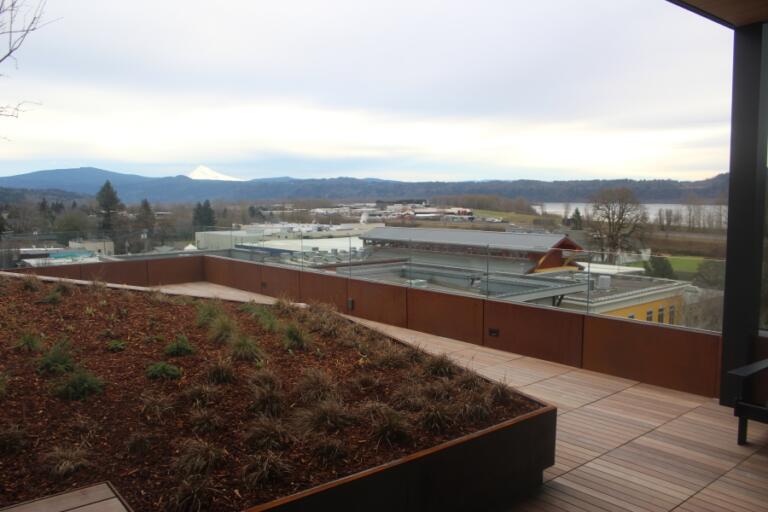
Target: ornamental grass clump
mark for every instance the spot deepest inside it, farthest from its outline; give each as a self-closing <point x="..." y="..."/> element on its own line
<point x="179" y="347"/>
<point x="267" y="396"/>
<point x="3" y="385"/>
<point x="265" y="467"/>
<point x="29" y="342"/>
<point x="294" y="338"/>
<point x="268" y="433"/>
<point x="204" y="420"/>
<point x="391" y="356"/>
<point x="52" y="297"/>
<point x="156" y="408"/>
<point x="163" y="371"/>
<point x="440" y="366"/>
<point x="56" y="360"/>
<point x="116" y="346"/>
<point x="266" y="319"/>
<point x="436" y="418"/>
<point x="221" y="371"/>
<point x="313" y="386"/>
<point x="207" y="311"/>
<point x="193" y="494"/>
<point x="199" y="394"/>
<point x="328" y="416"/>
<point x="13" y="439"/>
<point x="79" y="385"/>
<point x="222" y="329"/>
<point x="63" y="461"/>
<point x="329" y="450"/>
<point x="245" y="348"/>
<point x="388" y="425"/>
<point x="197" y="457"/>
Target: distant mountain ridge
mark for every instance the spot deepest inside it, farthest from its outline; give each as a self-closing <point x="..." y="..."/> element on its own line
<point x="132" y="188"/>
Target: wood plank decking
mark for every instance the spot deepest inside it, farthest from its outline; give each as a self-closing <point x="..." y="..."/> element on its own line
<point x="96" y="498"/>
<point x="621" y="445"/>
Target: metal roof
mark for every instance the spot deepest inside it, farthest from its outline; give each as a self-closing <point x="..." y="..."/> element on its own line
<point x="528" y="242"/>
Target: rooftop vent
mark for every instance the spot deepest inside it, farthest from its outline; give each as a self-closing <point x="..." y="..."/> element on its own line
<point x="603" y="282"/>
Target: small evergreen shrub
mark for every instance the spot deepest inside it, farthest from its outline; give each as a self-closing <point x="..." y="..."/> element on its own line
<point x="79" y="385"/>
<point x="179" y="347"/>
<point x="56" y="360"/>
<point x="163" y="371"/>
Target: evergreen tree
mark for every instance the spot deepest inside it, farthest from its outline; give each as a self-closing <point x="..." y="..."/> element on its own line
<point x="145" y="219"/>
<point x="659" y="266"/>
<point x="576" y="220"/>
<point x="109" y="203"/>
<point x="203" y="215"/>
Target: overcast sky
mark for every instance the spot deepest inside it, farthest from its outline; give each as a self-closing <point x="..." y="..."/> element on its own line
<point x="402" y="89"/>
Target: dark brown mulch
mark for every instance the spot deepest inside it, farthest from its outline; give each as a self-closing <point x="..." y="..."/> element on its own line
<point x="91" y="317"/>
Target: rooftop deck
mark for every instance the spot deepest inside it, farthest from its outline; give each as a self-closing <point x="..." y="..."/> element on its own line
<point x="621" y="445"/>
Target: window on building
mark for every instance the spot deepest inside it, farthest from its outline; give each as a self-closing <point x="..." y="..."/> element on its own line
<point x="660" y="319"/>
<point x="631" y="316"/>
<point x="672" y="314"/>
<point x="649" y="315"/>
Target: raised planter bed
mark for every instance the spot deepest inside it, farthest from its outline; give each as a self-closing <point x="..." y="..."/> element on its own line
<point x="286" y="409"/>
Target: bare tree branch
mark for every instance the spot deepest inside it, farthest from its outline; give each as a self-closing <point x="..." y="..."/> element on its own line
<point x="18" y="19"/>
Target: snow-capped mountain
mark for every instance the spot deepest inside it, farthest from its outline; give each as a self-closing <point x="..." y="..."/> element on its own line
<point x="202" y="172"/>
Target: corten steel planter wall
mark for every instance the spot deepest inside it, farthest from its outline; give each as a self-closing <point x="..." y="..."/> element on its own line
<point x="379" y="302"/>
<point x="481" y="471"/>
<point x="452" y="316"/>
<point x="132" y="272"/>
<point x="219" y="270"/>
<point x="315" y="286"/>
<point x="665" y="356"/>
<point x="280" y="282"/>
<point x="187" y="269"/>
<point x="545" y="333"/>
<point x="63" y="271"/>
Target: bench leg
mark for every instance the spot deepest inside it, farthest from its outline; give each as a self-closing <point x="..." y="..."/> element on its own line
<point x="742" y="430"/>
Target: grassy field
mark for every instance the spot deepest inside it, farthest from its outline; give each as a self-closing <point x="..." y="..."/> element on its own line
<point x="680" y="264"/>
<point x="516" y="218"/>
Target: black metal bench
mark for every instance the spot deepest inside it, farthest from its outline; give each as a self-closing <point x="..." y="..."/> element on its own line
<point x="744" y="408"/>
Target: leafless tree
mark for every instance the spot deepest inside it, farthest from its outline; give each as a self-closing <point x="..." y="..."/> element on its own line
<point x="18" y="19"/>
<point x="617" y="217"/>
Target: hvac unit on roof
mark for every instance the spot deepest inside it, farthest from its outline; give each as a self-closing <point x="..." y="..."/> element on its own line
<point x="603" y="282"/>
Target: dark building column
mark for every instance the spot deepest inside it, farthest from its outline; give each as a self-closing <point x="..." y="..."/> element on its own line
<point x="746" y="200"/>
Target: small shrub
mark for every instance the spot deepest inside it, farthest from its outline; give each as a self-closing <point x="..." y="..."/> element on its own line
<point x="244" y="348"/>
<point x="155" y="407"/>
<point x="388" y="425"/>
<point x="163" y="371"/>
<point x="179" y="347"/>
<point x="268" y="433"/>
<point x="313" y="386"/>
<point x="204" y="420"/>
<point x="3" y="385"/>
<point x="30" y="283"/>
<point x="438" y="391"/>
<point x="65" y="461"/>
<point x="440" y="366"/>
<point x="328" y="415"/>
<point x="207" y="311"/>
<point x="325" y="320"/>
<point x="265" y="467"/>
<point x="200" y="395"/>
<point x="436" y="418"/>
<point x="13" y="439"/>
<point x="250" y="308"/>
<point x="140" y="443"/>
<point x="221" y="372"/>
<point x="266" y="319"/>
<point x="56" y="360"/>
<point x="29" y="343"/>
<point x="116" y="346"/>
<point x="79" y="385"/>
<point x="294" y="338"/>
<point x="409" y="398"/>
<point x="193" y="495"/>
<point x="329" y="450"/>
<point x="197" y="457"/>
<point x="222" y="329"/>
<point x="52" y="297"/>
